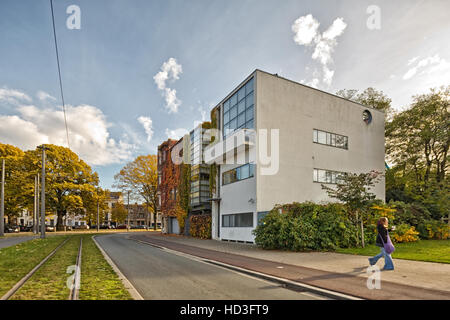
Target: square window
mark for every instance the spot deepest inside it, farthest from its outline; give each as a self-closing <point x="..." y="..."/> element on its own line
<point x="241" y="93"/>
<point x="322" y="137"/>
<point x="233" y="112"/>
<point x="226" y="117"/>
<point x="245" y="172"/>
<point x="226" y="106"/>
<point x="241" y="106"/>
<point x="233" y="100"/>
<point x="233" y="124"/>
<point x="315" y="136"/>
<point x="249" y="113"/>
<point x="249" y="100"/>
<point x="241" y="119"/>
<point x="321" y="176"/>
<point x="249" y="86"/>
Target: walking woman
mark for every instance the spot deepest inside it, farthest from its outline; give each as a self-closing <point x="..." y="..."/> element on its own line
<point x="382" y="240"/>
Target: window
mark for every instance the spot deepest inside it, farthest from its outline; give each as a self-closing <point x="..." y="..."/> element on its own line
<point x="367" y="117"/>
<point x="241" y="173"/>
<point x="238" y="111"/>
<point x="327" y="176"/>
<point x="330" y="139"/>
<point x="241" y="220"/>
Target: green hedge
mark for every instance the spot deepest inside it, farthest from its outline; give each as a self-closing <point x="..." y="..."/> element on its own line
<point x="306" y="226"/>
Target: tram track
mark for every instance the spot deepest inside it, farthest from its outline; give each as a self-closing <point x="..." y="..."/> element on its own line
<point x="73" y="284"/>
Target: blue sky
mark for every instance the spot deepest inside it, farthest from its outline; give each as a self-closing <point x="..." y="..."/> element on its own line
<point x="116" y="110"/>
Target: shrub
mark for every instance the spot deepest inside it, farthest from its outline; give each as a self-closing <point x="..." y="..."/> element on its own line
<point x="434" y="229"/>
<point x="200" y="226"/>
<point x="405" y="233"/>
<point x="413" y="214"/>
<point x="306" y="226"/>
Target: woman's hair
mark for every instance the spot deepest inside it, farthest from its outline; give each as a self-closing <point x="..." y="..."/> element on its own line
<point x="382" y="220"/>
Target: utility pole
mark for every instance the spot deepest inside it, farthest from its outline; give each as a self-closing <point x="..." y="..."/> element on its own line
<point x="43" y="148"/>
<point x="35" y="206"/>
<point x="98" y="213"/>
<point x="2" y="202"/>
<point x="128" y="211"/>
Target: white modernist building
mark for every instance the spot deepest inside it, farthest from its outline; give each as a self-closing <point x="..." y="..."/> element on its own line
<point x="311" y="136"/>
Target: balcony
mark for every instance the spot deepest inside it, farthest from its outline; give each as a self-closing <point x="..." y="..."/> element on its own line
<point x="238" y="142"/>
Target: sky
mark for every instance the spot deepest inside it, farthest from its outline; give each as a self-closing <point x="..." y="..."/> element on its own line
<point x="138" y="72"/>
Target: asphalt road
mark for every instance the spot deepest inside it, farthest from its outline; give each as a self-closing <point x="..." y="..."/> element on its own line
<point x="161" y="275"/>
<point x="12" y="241"/>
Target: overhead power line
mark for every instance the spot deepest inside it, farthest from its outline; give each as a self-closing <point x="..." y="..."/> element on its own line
<point x="59" y="75"/>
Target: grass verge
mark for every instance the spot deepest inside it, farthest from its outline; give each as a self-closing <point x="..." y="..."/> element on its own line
<point x="50" y="281"/>
<point x="98" y="279"/>
<point x="423" y="250"/>
<point x="16" y="261"/>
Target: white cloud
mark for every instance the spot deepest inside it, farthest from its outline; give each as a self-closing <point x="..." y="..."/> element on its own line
<point x="313" y="83"/>
<point x="176" y="134"/>
<point x="435" y="64"/>
<point x="327" y="75"/>
<point x="42" y="95"/>
<point x="12" y="96"/>
<point x="306" y="33"/>
<point x="170" y="71"/>
<point x="88" y="131"/>
<point x="412" y="60"/>
<point x="305" y="29"/>
<point x="147" y="124"/>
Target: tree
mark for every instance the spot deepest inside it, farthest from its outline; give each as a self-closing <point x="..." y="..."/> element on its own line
<point x="417" y="142"/>
<point x="90" y="201"/>
<point x="14" y="180"/>
<point x="68" y="180"/>
<point x="369" y="97"/>
<point x="119" y="213"/>
<point x="354" y="191"/>
<point x="140" y="177"/>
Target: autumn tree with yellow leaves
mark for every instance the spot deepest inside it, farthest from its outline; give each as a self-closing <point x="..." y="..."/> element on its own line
<point x="140" y="178"/>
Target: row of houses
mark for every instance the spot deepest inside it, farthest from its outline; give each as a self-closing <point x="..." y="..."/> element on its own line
<point x="270" y="141"/>
<point x="137" y="215"/>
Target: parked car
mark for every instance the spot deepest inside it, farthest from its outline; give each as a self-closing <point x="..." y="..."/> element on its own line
<point x="11" y="229"/>
<point x="82" y="227"/>
<point x="123" y="226"/>
<point x="105" y="226"/>
<point x="26" y="228"/>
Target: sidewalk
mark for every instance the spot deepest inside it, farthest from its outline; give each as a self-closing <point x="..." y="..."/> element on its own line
<point x="12" y="241"/>
<point x="334" y="271"/>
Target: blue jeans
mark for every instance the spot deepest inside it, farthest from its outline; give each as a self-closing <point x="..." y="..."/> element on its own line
<point x="388" y="263"/>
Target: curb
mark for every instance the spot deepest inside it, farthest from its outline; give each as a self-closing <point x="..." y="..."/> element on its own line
<point x="292" y="285"/>
<point x="127" y="284"/>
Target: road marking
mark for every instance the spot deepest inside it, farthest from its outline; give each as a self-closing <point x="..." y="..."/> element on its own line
<point x="127" y="284"/>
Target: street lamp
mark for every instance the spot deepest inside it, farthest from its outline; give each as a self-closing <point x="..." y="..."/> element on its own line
<point x="98" y="212"/>
<point x="43" y="148"/>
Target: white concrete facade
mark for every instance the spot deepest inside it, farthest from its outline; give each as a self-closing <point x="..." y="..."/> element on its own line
<point x="295" y="111"/>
